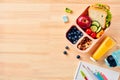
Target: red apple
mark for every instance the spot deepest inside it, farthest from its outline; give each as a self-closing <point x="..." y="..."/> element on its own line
<point x="84" y="22"/>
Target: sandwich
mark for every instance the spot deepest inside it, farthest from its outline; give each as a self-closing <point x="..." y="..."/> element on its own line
<point x="100" y="13"/>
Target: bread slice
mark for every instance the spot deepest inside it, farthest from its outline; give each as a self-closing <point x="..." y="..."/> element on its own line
<point x="98" y="15"/>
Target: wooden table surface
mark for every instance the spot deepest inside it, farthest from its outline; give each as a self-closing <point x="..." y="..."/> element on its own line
<point x="32" y="38"/>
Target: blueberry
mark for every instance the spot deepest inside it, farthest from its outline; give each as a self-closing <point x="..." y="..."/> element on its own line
<point x="78" y="31"/>
<point x="74" y="42"/>
<point x="78" y="56"/>
<point x="74" y="28"/>
<point x="69" y="38"/>
<point x="69" y="34"/>
<point x="75" y="36"/>
<point x="75" y="33"/>
<point x="66" y="47"/>
<point x="65" y="52"/>
<point x="78" y="34"/>
<point x="81" y="34"/>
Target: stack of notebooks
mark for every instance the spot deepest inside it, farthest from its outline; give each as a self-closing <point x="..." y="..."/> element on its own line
<point x="87" y="71"/>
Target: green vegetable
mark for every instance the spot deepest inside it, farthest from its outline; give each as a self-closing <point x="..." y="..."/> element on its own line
<point x="95" y="23"/>
<point x="94" y="28"/>
<point x="108" y="18"/>
<point x="99" y="29"/>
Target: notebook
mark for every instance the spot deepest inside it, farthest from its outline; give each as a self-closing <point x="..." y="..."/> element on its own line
<point x="86" y="71"/>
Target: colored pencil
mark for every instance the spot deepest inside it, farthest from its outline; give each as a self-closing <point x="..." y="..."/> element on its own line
<point x="105" y="78"/>
<point x="83" y="75"/>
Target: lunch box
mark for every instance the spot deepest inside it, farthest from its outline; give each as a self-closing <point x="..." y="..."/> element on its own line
<point x="80" y="39"/>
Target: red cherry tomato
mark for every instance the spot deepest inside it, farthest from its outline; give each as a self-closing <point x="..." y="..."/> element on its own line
<point x="93" y="35"/>
<point x="88" y="31"/>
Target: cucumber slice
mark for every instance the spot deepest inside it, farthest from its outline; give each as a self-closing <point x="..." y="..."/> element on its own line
<point x="94" y="28"/>
<point x="99" y="29"/>
<point x="96" y="23"/>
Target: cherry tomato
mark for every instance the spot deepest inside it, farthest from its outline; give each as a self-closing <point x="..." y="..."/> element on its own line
<point x="93" y="35"/>
<point x="88" y="31"/>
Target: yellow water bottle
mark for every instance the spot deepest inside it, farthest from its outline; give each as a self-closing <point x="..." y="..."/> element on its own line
<point x="106" y="45"/>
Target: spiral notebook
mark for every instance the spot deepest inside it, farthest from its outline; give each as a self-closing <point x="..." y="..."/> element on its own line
<point x="86" y="71"/>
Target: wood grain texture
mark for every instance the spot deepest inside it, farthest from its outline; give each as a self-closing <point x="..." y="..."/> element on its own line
<point x="32" y="38"/>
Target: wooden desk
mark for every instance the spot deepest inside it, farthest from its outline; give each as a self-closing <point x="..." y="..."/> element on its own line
<point x="32" y="38"/>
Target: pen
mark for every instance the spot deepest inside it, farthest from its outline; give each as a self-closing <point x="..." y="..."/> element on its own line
<point x="83" y="75"/>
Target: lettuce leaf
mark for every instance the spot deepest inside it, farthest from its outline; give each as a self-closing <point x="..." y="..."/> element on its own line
<point x="108" y="18"/>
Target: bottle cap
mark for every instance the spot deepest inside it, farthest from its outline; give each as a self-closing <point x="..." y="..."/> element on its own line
<point x="110" y="61"/>
<point x="91" y="58"/>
